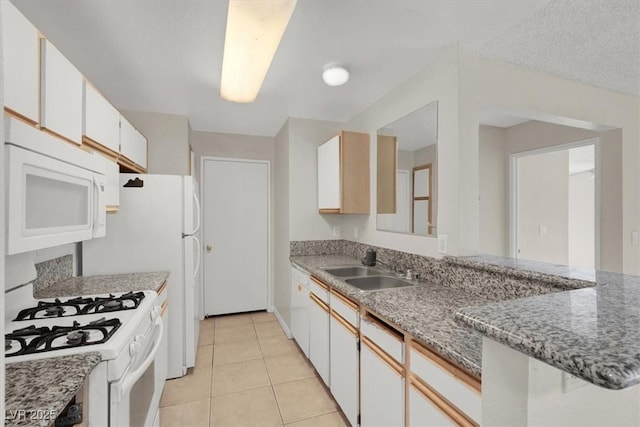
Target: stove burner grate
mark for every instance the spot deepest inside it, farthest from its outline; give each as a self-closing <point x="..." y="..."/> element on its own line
<point x="32" y="340"/>
<point x="80" y="305"/>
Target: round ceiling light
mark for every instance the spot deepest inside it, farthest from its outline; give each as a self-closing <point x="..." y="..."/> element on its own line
<point x="335" y="75"/>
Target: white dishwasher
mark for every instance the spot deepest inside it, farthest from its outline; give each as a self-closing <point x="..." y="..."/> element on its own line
<point x="300" y="304"/>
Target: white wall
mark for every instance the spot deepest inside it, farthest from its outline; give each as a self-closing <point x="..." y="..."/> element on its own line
<point x="611" y="233"/>
<point x="437" y="83"/>
<point x="543" y="192"/>
<point x="534" y="135"/>
<point x="168" y="141"/>
<point x="581" y="250"/>
<point x="2" y="231"/>
<point x="494" y="176"/>
<point x="512" y="87"/>
<point x="304" y="221"/>
<point x="281" y="267"/>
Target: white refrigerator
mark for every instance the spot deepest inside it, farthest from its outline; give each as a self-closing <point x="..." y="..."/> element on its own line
<point x="156" y="229"/>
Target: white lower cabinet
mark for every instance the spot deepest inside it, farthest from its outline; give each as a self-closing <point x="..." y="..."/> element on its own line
<point x="381" y="388"/>
<point x="319" y="337"/>
<point x="344" y="366"/>
<point x="300" y="303"/>
<point x="423" y="412"/>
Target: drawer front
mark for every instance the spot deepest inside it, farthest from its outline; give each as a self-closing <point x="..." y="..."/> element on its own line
<point x="300" y="276"/>
<point x="345" y="309"/>
<point x="459" y="393"/>
<point x="319" y="290"/>
<point x="424" y="413"/>
<point x="384" y="339"/>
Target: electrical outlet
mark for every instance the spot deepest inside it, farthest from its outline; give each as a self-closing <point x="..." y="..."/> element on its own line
<point x="442" y="243"/>
<point x="634" y="238"/>
<point x="542" y="230"/>
<point x="336" y="231"/>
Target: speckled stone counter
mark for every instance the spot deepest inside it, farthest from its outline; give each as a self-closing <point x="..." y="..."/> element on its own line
<point x="425" y="310"/>
<point x="90" y="285"/>
<point x="591" y="333"/>
<point x="44" y="386"/>
<point x="562" y="277"/>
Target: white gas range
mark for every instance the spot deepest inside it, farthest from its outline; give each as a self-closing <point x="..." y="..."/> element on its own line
<point x="125" y="328"/>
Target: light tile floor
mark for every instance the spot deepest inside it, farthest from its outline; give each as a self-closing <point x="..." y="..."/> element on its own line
<point x="248" y="373"/>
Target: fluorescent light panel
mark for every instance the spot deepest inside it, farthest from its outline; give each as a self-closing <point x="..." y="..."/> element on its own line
<point x="254" y="31"/>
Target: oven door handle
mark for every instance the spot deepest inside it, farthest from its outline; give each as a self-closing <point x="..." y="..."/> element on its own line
<point x="131" y="377"/>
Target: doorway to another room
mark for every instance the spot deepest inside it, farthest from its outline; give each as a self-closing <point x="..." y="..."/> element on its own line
<point x="554" y="195"/>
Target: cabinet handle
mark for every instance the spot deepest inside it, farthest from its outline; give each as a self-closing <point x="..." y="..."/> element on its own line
<point x="441" y="404"/>
<point x="209" y="248"/>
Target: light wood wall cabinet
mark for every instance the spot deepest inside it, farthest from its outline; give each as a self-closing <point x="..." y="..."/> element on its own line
<point x="133" y="147"/>
<point x="21" y="47"/>
<point x="343" y="174"/>
<point x="386" y="174"/>
<point x="101" y="123"/>
<point x="61" y="94"/>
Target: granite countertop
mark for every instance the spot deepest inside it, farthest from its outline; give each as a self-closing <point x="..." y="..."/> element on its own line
<point x="42" y="388"/>
<point x="591" y="333"/>
<point x="90" y="285"/>
<point x="426" y="310"/>
<point x="562" y="276"/>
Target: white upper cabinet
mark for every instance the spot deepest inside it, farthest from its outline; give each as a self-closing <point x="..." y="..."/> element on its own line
<point x="20" y="44"/>
<point x="329" y="175"/>
<point x="101" y="119"/>
<point x="133" y="145"/>
<point x="61" y="91"/>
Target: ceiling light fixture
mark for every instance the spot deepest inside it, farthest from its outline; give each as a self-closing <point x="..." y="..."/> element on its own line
<point x="335" y="75"/>
<point x="254" y="31"/>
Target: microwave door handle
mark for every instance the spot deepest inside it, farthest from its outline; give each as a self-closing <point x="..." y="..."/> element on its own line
<point x="195" y="270"/>
<point x="132" y="377"/>
<point x="96" y="202"/>
<point x="197" y="202"/>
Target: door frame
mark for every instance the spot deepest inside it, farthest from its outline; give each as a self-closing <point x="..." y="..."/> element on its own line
<point x="203" y="160"/>
<point x="513" y="191"/>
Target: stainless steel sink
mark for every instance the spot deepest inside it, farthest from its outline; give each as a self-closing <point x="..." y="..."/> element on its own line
<point x="351" y="271"/>
<point x="374" y="283"/>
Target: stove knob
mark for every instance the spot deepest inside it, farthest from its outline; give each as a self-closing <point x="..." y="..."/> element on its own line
<point x="155" y="312"/>
<point x="134" y="348"/>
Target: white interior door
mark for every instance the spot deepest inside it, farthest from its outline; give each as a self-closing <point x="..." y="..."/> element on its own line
<point x="236" y="235"/>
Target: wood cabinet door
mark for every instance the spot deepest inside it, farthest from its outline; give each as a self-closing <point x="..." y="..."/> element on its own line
<point x="61" y="91"/>
<point x="20" y="44"/>
<point x="329" y="193"/>
<point x="101" y="119"/>
<point x="344" y="364"/>
<point x="319" y="337"/>
<point x="381" y="390"/>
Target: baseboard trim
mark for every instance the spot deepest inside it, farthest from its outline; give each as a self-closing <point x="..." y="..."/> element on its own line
<point x="285" y="327"/>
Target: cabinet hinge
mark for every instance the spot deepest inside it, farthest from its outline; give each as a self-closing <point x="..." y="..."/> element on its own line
<point x="358" y="345"/>
<point x="359" y="421"/>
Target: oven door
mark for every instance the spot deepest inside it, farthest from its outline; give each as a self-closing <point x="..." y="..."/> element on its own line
<point x="135" y="397"/>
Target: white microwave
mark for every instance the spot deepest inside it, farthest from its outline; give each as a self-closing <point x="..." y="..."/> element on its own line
<point x="55" y="192"/>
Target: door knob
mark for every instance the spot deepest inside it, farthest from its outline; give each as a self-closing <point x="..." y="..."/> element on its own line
<point x="209" y="248"/>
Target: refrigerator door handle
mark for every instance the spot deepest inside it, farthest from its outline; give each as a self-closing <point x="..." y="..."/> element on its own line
<point x="195" y="199"/>
<point x="195" y="271"/>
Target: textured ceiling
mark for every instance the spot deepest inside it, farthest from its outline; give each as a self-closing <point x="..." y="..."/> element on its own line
<point x="592" y="41"/>
<point x="165" y="56"/>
